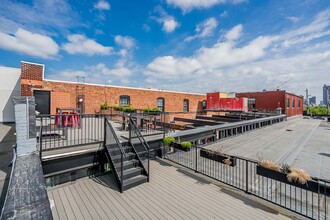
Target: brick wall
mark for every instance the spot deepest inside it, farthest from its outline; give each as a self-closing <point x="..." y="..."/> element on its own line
<point x="271" y="100"/>
<point x="65" y="95"/>
<point x="31" y="78"/>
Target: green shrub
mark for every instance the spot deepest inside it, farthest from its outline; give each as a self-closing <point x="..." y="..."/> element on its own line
<point x="147" y="110"/>
<point x="128" y="109"/>
<point x="104" y="106"/>
<point x="168" y="141"/>
<point x="117" y="108"/>
<point x="186" y="144"/>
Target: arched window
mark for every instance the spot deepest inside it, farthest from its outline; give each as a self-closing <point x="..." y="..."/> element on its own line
<point x="124" y="100"/>
<point x="161" y="104"/>
<point x="186" y="105"/>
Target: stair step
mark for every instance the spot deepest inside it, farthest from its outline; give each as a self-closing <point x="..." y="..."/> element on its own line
<point x="128" y="156"/>
<point x="131" y="172"/>
<point x="116" y="151"/>
<point x="127" y="164"/>
<point x="134" y="181"/>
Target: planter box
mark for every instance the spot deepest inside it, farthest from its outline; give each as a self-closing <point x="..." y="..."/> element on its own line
<point x="217" y="157"/>
<point x="178" y="146"/>
<point x="312" y="186"/>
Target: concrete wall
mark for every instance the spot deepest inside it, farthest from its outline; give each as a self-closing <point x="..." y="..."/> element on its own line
<point x="10" y="85"/>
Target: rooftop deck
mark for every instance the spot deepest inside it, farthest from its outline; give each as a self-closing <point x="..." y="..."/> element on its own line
<point x="172" y="193"/>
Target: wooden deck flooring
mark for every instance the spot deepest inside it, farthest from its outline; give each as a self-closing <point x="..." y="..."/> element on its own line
<point x="172" y="193"/>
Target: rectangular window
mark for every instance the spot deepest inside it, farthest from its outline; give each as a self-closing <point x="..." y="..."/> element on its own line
<point x="251" y="103"/>
<point x="299" y="103"/>
<point x="186" y="105"/>
<point x="293" y="103"/>
<point x="124" y="100"/>
<point x="288" y="103"/>
<point x="160" y="104"/>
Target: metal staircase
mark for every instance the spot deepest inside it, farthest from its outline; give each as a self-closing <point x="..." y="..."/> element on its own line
<point x="125" y="160"/>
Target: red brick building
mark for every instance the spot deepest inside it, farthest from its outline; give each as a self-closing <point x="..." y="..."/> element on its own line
<point x="271" y="101"/>
<point x="52" y="94"/>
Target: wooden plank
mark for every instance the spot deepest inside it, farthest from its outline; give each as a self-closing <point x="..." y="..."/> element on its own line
<point x="52" y="205"/>
<point x="88" y="203"/>
<point x="75" y="208"/>
<point x="130" y="208"/>
<point x="113" y="209"/>
<point x="66" y="204"/>
<point x="99" y="206"/>
<point x="59" y="205"/>
<point x="82" y="207"/>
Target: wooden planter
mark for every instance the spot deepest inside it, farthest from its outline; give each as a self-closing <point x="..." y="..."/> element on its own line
<point x="312" y="186"/>
<point x="217" y="157"/>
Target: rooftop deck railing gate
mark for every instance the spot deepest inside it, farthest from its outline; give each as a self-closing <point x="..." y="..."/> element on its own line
<point x="242" y="174"/>
<point x="69" y="130"/>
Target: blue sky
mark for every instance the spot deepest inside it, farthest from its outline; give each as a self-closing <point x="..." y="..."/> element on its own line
<point x="185" y="45"/>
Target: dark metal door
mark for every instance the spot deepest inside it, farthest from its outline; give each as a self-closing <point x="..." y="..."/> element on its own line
<point x="42" y="101"/>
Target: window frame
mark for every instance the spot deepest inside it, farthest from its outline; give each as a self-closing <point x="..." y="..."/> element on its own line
<point x="293" y="103"/>
<point x="125" y="97"/>
<point x="186" y="105"/>
<point x="287" y="103"/>
<point x="162" y="108"/>
<point x="250" y="103"/>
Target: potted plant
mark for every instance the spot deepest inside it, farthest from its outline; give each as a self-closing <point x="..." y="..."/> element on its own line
<point x="104" y="107"/>
<point x="292" y="176"/>
<point x="151" y="110"/>
<point x="168" y="141"/>
<point x="184" y="146"/>
<point x="219" y="156"/>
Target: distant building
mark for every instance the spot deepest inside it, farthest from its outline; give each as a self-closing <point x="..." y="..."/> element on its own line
<point x="321" y="103"/>
<point x="271" y="101"/>
<point x="326" y="94"/>
<point x="312" y="100"/>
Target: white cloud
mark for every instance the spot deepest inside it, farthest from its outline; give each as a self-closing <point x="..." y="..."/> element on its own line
<point x="204" y="29"/>
<point x="293" y="19"/>
<point x="32" y="44"/>
<point x="125" y="41"/>
<point x="102" y="5"/>
<point x="206" y="60"/>
<point x="117" y="72"/>
<point x="79" y="44"/>
<point x="99" y="73"/>
<point x="234" y="33"/>
<point x="188" y="5"/>
<point x="224" y="14"/>
<point x="263" y="63"/>
<point x="170" y="24"/>
<point x="44" y="17"/>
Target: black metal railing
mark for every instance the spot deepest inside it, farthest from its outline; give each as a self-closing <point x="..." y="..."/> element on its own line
<point x="69" y="130"/>
<point x="311" y="203"/>
<point x="149" y="123"/>
<point x="114" y="148"/>
<point x="140" y="146"/>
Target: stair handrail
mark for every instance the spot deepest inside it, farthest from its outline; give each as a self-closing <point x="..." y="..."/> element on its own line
<point x="116" y="137"/>
<point x="139" y="135"/>
<point x="119" y="179"/>
<point x="143" y="142"/>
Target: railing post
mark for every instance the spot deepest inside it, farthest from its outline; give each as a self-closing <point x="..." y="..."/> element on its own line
<point x="247" y="176"/>
<point x="105" y="130"/>
<point x="121" y="174"/>
<point x="130" y="129"/>
<point x="40" y="139"/>
<point x="196" y="162"/>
